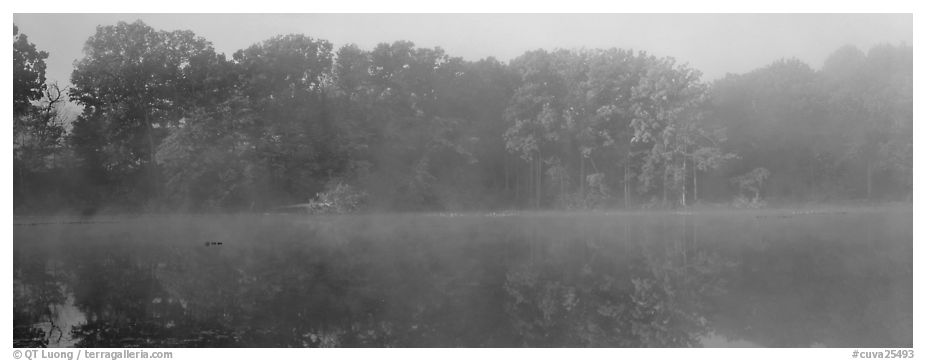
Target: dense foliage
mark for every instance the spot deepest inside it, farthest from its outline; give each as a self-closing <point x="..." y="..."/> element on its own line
<point x="170" y="124"/>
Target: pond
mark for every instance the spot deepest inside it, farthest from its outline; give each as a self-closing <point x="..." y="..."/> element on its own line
<point x="771" y="278"/>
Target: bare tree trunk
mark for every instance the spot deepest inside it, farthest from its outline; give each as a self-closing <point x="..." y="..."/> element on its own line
<point x="868" y="178"/>
<point x="684" y="181"/>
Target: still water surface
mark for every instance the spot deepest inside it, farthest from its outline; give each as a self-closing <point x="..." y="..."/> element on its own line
<point x="715" y="279"/>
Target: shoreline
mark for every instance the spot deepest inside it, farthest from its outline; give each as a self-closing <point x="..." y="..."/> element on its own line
<point x="790" y="210"/>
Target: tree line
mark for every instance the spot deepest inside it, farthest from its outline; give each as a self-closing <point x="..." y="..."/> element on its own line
<point x="170" y="124"/>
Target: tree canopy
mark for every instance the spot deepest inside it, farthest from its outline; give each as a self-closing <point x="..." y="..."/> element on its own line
<point x="168" y="123"/>
<point x="28" y="72"/>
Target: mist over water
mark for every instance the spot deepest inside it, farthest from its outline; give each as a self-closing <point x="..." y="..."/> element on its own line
<point x="176" y="192"/>
<point x="835" y="278"/>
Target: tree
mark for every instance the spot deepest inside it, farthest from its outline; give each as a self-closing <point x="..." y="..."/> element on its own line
<point x="285" y="80"/>
<point x="869" y="103"/>
<point x="477" y="94"/>
<point x="534" y="114"/>
<point x="209" y="161"/>
<point x="752" y="182"/>
<point x="135" y="83"/>
<point x="39" y="133"/>
<point x="273" y="138"/>
<point x="706" y="158"/>
<point x="284" y="68"/>
<point x="776" y="116"/>
<point x="604" y="102"/>
<point x="37" y="129"/>
<point x="28" y="72"/>
<point x="406" y="121"/>
<point x="351" y="69"/>
<point x="884" y="140"/>
<point x="37" y="141"/>
<point x="668" y="106"/>
<point x="166" y="118"/>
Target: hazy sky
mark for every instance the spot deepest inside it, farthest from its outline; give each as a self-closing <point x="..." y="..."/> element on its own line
<point x="714" y="43"/>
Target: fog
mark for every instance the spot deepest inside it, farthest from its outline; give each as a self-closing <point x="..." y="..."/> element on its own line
<point x="836" y="278"/>
<point x="316" y="186"/>
<point x="296" y="120"/>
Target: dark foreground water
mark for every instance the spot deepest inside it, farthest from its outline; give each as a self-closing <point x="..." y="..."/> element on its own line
<point x="761" y="279"/>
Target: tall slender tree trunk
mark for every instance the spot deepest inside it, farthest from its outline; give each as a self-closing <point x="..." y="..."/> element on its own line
<point x="694" y="188"/>
<point x="868" y="179"/>
<point x="684" y="182"/>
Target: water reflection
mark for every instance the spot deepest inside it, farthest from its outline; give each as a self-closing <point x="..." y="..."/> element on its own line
<point x="624" y="293"/>
<point x="471" y="281"/>
<point x="36" y="294"/>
